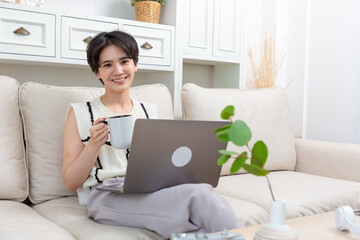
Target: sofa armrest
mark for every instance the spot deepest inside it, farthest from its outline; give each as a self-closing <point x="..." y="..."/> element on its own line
<point x="328" y="159"/>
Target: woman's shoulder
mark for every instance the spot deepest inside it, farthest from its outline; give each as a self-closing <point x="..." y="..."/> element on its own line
<point x="85" y="103"/>
<point x="82" y="108"/>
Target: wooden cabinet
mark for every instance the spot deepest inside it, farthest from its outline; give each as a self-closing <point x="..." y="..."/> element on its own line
<point x="208" y="43"/>
<point x="154" y="45"/>
<point x="76" y="33"/>
<point x="211" y="29"/>
<point x="27" y="33"/>
<point x="32" y="35"/>
<point x="227" y="29"/>
<point x="198" y="27"/>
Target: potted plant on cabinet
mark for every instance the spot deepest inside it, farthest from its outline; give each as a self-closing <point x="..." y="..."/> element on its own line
<point x="147" y="10"/>
<point x="239" y="134"/>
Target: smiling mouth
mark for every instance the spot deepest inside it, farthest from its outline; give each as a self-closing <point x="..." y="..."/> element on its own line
<point x="119" y="80"/>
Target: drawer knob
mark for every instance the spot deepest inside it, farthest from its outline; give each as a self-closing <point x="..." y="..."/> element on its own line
<point x="146" y="45"/>
<point x="87" y="39"/>
<point x="21" y="31"/>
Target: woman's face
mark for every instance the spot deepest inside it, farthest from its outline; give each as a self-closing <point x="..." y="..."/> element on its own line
<point x="116" y="69"/>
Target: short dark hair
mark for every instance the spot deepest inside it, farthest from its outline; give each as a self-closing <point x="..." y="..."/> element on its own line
<point x="120" y="39"/>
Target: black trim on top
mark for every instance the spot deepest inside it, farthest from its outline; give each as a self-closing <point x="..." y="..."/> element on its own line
<point x="97" y="169"/>
<point x="143" y="107"/>
<point x="91" y="112"/>
<point x="85" y="140"/>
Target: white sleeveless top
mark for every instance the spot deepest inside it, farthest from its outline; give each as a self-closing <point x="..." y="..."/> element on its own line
<point x="111" y="162"/>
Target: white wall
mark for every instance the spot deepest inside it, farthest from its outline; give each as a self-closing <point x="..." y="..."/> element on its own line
<point x="332" y="106"/>
<point x="323" y="60"/>
<point x="59" y="76"/>
<point x="109" y="8"/>
<point x="288" y="18"/>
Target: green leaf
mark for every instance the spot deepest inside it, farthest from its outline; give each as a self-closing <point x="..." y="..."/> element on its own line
<point x="223" y="136"/>
<point x="259" y="154"/>
<point x="228" y="112"/>
<point x="239" y="133"/>
<point x="222" y="128"/>
<point x="238" y="162"/>
<point x="223" y="159"/>
<point x="255" y="170"/>
<point x="225" y="152"/>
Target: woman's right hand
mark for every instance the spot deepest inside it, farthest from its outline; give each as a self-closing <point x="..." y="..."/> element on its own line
<point x="99" y="132"/>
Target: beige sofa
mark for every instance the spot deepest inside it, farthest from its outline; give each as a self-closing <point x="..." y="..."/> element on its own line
<point x="311" y="176"/>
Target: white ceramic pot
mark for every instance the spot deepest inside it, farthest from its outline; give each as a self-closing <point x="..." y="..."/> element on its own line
<point x="276" y="229"/>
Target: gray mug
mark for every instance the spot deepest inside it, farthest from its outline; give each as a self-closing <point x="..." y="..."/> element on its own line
<point x="121" y="129"/>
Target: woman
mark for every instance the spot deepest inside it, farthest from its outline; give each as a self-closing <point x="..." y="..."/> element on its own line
<point x="89" y="160"/>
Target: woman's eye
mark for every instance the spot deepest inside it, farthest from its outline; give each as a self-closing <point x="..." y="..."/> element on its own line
<point x="125" y="61"/>
<point x="107" y="65"/>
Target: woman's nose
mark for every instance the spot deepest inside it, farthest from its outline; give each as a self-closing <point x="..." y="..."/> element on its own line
<point x="118" y="68"/>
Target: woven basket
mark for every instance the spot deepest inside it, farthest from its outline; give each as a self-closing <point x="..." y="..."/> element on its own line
<point x="147" y="11"/>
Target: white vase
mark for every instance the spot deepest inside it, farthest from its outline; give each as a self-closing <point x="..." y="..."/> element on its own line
<point x="276" y="229"/>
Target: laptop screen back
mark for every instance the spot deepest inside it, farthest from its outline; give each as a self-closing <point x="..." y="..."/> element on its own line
<point x="166" y="153"/>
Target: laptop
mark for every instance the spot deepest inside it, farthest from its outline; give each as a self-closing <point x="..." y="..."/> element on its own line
<point x="166" y="153"/>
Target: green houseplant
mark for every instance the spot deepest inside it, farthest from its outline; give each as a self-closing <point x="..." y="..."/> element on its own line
<point x="239" y="133"/>
<point x="147" y="10"/>
<point x="252" y="160"/>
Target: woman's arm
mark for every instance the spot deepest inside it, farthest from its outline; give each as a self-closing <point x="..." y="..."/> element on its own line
<point x="79" y="159"/>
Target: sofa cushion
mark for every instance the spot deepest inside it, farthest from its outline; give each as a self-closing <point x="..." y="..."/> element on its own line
<point x="43" y="110"/>
<point x="266" y="111"/>
<point x="304" y="194"/>
<point x="13" y="175"/>
<point x="250" y="213"/>
<point x="69" y="214"/>
<point x="18" y="222"/>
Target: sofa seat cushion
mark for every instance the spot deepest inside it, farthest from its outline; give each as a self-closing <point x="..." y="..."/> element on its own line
<point x="43" y="109"/>
<point x="13" y="175"/>
<point x="251" y="214"/>
<point x="304" y="194"/>
<point x="18" y="222"/>
<point x="266" y="111"/>
<point x="69" y="214"/>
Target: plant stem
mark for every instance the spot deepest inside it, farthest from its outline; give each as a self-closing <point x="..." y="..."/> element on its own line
<point x="272" y="194"/>
<point x="267" y="179"/>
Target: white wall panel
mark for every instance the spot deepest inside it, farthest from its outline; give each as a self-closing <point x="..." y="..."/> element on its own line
<point x="332" y="88"/>
<point x="58" y="76"/>
<point x="88" y="7"/>
<point x="108" y="8"/>
<point x="295" y="61"/>
<point x="62" y="5"/>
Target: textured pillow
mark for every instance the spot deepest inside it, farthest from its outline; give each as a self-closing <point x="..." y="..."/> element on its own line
<point x="43" y="109"/>
<point x="266" y="112"/>
<point x="13" y="175"/>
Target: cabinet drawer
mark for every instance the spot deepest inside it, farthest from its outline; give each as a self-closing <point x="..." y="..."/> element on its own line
<point x="154" y="44"/>
<point x="35" y="35"/>
<point x="75" y="31"/>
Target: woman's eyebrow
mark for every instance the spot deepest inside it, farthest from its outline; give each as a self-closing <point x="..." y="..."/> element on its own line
<point x="105" y="61"/>
<point x="108" y="61"/>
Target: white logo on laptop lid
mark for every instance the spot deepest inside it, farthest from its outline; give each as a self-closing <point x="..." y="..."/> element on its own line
<point x="181" y="156"/>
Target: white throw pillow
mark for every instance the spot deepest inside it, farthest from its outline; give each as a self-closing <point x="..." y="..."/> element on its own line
<point x="43" y="109"/>
<point x="266" y="112"/>
<point x="13" y="175"/>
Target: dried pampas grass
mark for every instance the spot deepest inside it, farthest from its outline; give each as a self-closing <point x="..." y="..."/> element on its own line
<point x="264" y="73"/>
